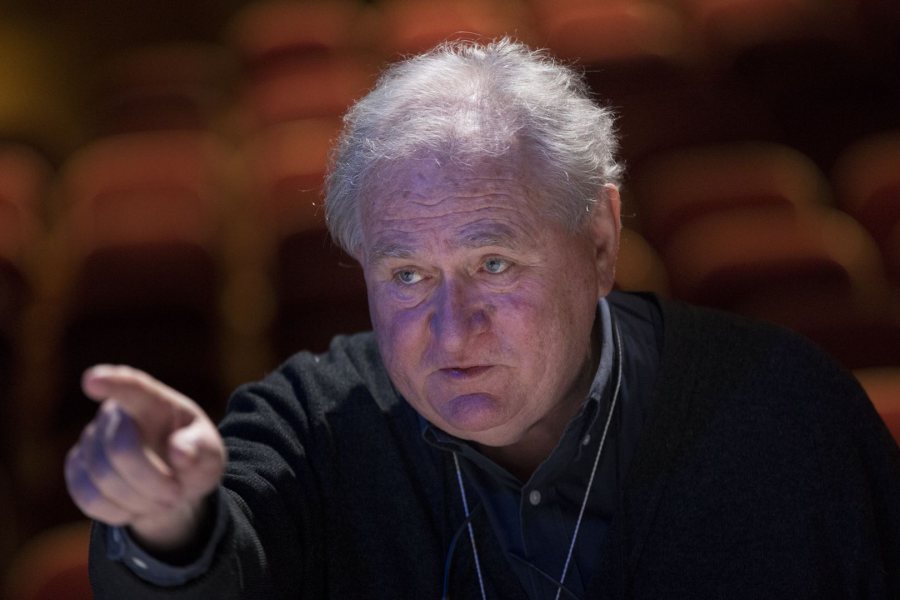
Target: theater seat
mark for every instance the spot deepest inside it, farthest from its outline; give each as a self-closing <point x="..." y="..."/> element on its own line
<point x="625" y="46"/>
<point x="318" y="290"/>
<point x="411" y="27"/>
<point x="25" y="178"/>
<point x="883" y="387"/>
<point x="164" y="86"/>
<point x="301" y="60"/>
<point x="752" y="34"/>
<point x="725" y="257"/>
<point x="675" y="188"/>
<point x="303" y="88"/>
<point x="286" y="165"/>
<point x="263" y="31"/>
<point x="321" y="293"/>
<point x="53" y="565"/>
<point x="639" y="267"/>
<point x="144" y="237"/>
<point x="867" y="183"/>
<point x="816" y="271"/>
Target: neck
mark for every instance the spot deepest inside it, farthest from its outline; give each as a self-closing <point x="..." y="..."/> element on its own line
<point x="524" y="457"/>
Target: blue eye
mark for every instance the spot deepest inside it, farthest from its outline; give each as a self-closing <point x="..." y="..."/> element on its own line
<point x="408" y="276"/>
<point x="496" y="266"/>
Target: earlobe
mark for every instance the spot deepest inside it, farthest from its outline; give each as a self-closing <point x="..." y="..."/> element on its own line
<point x="605" y="228"/>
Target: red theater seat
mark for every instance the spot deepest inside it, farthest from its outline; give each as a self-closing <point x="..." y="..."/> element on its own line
<point x="678" y="187"/>
<point x="639" y="267"/>
<point x="319" y="290"/>
<point x="867" y="183"/>
<point x="52" y="566"/>
<point x="164" y="86"/>
<point x="301" y="59"/>
<point x="883" y="387"/>
<point x="725" y="258"/>
<point x="411" y="27"/>
<point x="144" y="215"/>
<point x="625" y="46"/>
<point x="287" y="164"/>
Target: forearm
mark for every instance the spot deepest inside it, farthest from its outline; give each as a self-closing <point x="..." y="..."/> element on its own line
<point x="228" y="565"/>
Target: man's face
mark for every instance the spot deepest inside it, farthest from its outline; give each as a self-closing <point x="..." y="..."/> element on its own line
<point x="482" y="304"/>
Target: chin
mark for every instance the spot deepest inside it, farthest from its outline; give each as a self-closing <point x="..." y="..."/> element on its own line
<point x="482" y="418"/>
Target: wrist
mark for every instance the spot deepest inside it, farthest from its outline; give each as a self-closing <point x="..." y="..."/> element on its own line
<point x="176" y="536"/>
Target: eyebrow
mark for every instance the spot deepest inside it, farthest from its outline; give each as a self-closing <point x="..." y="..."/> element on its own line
<point x="479" y="235"/>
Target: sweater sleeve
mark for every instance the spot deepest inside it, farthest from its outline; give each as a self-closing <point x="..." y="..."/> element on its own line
<point x="270" y="504"/>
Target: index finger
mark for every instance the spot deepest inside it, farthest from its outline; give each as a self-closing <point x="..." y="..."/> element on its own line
<point x="136" y="392"/>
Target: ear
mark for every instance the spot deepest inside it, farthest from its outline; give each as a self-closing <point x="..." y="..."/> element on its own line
<point x="605" y="225"/>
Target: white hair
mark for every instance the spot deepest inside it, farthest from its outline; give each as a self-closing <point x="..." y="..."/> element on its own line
<point x="463" y="101"/>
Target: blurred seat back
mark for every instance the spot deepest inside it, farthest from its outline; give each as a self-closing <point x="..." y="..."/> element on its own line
<point x="25" y="179"/>
<point x="411" y="27"/>
<point x="867" y="184"/>
<point x="319" y="291"/>
<point x="883" y="387"/>
<point x="143" y="218"/>
<point x="300" y="59"/>
<point x="675" y="188"/>
<point x="625" y="46"/>
<point x="726" y="258"/>
<point x="639" y="267"/>
<point x="165" y="86"/>
<point x="816" y="271"/>
<point x="53" y="565"/>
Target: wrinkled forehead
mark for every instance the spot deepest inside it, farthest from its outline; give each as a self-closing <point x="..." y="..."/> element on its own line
<point x="491" y="202"/>
<point x="430" y="180"/>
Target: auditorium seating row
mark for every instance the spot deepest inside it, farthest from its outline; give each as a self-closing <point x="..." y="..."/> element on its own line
<point x="176" y="222"/>
<point x="810" y="73"/>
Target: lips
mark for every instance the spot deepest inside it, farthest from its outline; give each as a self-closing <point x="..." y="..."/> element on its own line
<point x="465" y="372"/>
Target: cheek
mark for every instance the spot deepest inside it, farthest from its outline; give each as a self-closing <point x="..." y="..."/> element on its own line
<point x="399" y="336"/>
<point x="551" y="316"/>
<point x="519" y="321"/>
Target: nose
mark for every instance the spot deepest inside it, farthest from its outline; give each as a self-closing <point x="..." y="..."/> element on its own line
<point x="459" y="315"/>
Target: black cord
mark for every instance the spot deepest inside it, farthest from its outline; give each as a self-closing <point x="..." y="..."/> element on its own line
<point x="448" y="562"/>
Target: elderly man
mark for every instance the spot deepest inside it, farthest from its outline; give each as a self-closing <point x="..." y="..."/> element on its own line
<point x="513" y="428"/>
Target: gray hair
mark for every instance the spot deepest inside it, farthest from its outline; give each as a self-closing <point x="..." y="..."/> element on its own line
<point x="463" y="101"/>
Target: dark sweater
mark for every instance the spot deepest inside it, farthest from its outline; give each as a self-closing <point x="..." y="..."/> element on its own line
<point x="762" y="472"/>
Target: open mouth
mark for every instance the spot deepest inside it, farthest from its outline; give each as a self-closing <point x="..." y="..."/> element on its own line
<point x="465" y="372"/>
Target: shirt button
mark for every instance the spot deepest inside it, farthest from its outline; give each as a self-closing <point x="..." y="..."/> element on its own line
<point x="586" y="440"/>
<point x="534" y="496"/>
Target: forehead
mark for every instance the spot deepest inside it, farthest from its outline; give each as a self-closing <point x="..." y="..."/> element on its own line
<point x="495" y="202"/>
